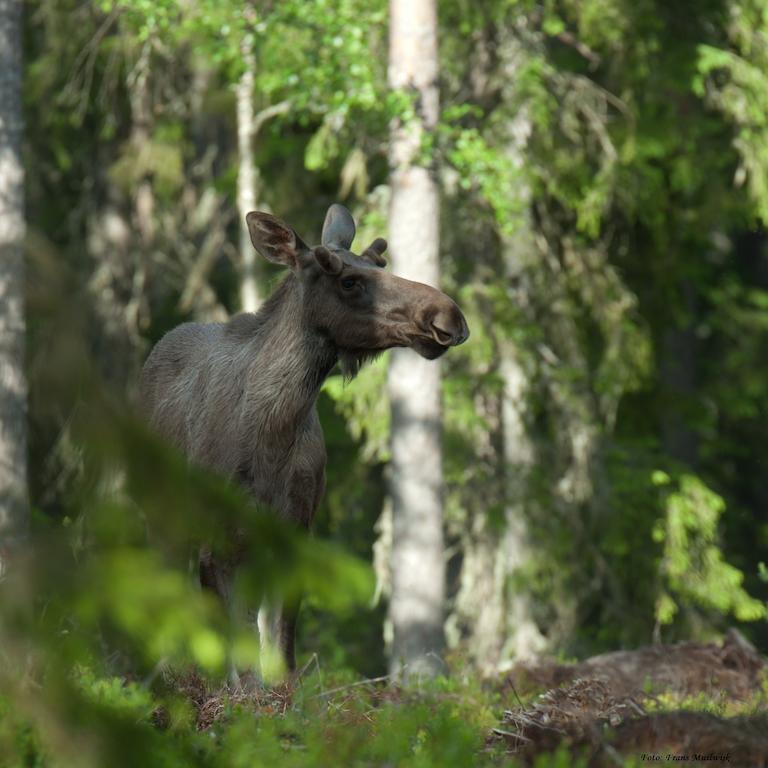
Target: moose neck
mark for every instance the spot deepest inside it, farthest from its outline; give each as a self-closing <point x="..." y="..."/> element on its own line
<point x="291" y="361"/>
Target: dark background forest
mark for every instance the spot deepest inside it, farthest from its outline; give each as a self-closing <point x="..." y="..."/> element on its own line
<point x="602" y="174"/>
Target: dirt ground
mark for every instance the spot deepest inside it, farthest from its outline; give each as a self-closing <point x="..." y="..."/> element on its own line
<point x="694" y="703"/>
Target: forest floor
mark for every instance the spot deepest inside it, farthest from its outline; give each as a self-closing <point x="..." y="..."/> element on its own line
<point x="697" y="703"/>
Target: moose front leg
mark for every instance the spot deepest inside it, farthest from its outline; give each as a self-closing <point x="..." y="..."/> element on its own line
<point x="216" y="577"/>
<point x="217" y="574"/>
<point x="278" y="618"/>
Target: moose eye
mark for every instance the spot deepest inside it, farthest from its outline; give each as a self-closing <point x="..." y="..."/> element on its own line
<point x="348" y="283"/>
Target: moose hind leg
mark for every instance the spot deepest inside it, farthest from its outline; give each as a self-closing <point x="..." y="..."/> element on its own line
<point x="287" y="639"/>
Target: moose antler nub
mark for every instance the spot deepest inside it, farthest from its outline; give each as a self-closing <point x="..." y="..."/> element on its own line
<point x="374" y="252"/>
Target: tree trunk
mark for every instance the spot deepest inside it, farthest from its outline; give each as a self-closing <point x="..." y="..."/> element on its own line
<point x="522" y="636"/>
<point x="250" y="299"/>
<point x="523" y="639"/>
<point x="493" y="607"/>
<point x="137" y="312"/>
<point x="13" y="384"/>
<point x="121" y="241"/>
<point x="418" y="567"/>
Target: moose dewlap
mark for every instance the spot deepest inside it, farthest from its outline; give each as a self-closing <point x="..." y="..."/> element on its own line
<point x="239" y="397"/>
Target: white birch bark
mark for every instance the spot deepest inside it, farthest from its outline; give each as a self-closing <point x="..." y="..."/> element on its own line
<point x="13" y="383"/>
<point x="250" y="299"/>
<point x="523" y="637"/>
<point x="418" y="569"/>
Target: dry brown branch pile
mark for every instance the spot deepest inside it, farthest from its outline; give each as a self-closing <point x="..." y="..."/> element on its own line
<point x="601" y="709"/>
<point x="732" y="670"/>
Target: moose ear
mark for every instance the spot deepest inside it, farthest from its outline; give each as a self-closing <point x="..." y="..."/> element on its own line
<point x="275" y="240"/>
<point x="339" y="227"/>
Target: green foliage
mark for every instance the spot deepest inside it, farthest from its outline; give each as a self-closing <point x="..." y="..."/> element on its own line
<point x="162" y="160"/>
<point x="692" y="566"/>
<point x="605" y="190"/>
<point x="365" y="408"/>
<point x="732" y="80"/>
<point x="487" y="168"/>
<point x="128" y="699"/>
<point x="561" y="758"/>
<point x="643" y="131"/>
<point x="720" y="706"/>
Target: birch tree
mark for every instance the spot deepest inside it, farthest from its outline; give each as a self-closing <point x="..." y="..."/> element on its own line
<point x="418" y="571"/>
<point x="13" y="385"/>
<point x="246" y="167"/>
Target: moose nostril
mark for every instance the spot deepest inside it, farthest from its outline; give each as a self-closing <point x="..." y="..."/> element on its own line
<point x="448" y="333"/>
<point x="441" y="336"/>
<point x="447" y="326"/>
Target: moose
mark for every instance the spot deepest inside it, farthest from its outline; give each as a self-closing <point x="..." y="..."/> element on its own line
<point x="239" y="397"/>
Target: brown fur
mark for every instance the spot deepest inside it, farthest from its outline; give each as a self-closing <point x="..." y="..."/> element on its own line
<point x="239" y="397"/>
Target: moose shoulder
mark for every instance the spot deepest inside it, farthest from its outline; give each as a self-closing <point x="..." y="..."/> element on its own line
<point x="239" y="397"/>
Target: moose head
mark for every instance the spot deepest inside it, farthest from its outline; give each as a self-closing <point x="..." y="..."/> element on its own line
<point x="350" y="299"/>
